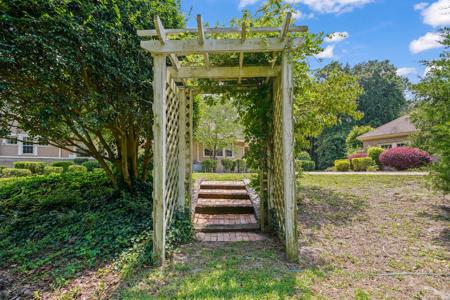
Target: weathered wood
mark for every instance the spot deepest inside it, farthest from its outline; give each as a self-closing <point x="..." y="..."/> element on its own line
<point x="290" y="204"/>
<point x="187" y="47"/>
<point x="241" y="55"/>
<point x="152" y="32"/>
<point x="224" y="72"/>
<point x="181" y="148"/>
<point x="285" y="27"/>
<point x="159" y="160"/>
<point x="161" y="33"/>
<point x="201" y="38"/>
<point x="190" y="145"/>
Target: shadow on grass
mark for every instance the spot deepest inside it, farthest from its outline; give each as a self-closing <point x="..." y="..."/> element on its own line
<point x="319" y="206"/>
<point x="440" y="213"/>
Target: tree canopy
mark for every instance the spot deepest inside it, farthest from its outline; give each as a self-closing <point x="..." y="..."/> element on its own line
<point x="432" y="114"/>
<point x="73" y="73"/>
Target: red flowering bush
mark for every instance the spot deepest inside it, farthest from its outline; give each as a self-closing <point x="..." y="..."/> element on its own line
<point x="402" y="158"/>
<point x="357" y="155"/>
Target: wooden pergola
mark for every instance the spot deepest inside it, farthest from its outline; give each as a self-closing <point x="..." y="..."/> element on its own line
<point x="172" y="110"/>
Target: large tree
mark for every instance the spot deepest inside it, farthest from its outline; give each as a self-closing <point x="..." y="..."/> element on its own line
<point x="73" y="73"/>
<point x="432" y="114"/>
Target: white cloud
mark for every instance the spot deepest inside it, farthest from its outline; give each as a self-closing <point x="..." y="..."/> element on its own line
<point x="244" y="3"/>
<point x="297" y="15"/>
<point x="437" y="14"/>
<point x="421" y="5"/>
<point x="430" y="40"/>
<point x="337" y="37"/>
<point x="406" y="71"/>
<point x="332" y="6"/>
<point x="328" y="52"/>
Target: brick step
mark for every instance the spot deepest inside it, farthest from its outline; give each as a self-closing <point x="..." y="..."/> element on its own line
<point x="230" y="236"/>
<point x="223" y="193"/>
<point x="222" y="185"/>
<point x="225" y="223"/>
<point x="224" y="206"/>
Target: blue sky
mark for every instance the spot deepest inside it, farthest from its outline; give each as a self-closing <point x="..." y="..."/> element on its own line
<point x="402" y="31"/>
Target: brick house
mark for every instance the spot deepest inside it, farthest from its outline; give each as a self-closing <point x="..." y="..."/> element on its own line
<point x="390" y="135"/>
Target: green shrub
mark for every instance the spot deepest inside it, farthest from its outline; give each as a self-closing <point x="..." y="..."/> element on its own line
<point x="342" y="165"/>
<point x="374" y="153"/>
<point x="241" y="165"/>
<point x="53" y="170"/>
<point x="303" y="155"/>
<point x="12" y="172"/>
<point x="63" y="164"/>
<point x="77" y="169"/>
<point x="80" y="160"/>
<point x="209" y="165"/>
<point x="306" y="165"/>
<point x="372" y="168"/>
<point x="91" y="165"/>
<point x="228" y="165"/>
<point x="34" y="166"/>
<point x="362" y="163"/>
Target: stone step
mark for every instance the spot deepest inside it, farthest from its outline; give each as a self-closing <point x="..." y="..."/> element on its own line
<point x="224" y="206"/>
<point x="223" y="193"/>
<point x="222" y="185"/>
<point x="225" y="223"/>
<point x="230" y="236"/>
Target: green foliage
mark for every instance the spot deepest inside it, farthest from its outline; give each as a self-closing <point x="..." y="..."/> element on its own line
<point x="76" y="75"/>
<point x="241" y="165"/>
<point x="209" y="165"/>
<point x="372" y="168"/>
<point x="91" y="165"/>
<point x="77" y="169"/>
<point x="362" y="163"/>
<point x="34" y="166"/>
<point x="330" y="145"/>
<point x="53" y="170"/>
<point x="342" y="165"/>
<point x="228" y="165"/>
<point x="303" y="155"/>
<point x="432" y="115"/>
<point x="80" y="160"/>
<point x="374" y="153"/>
<point x="55" y="226"/>
<point x="218" y="125"/>
<point x="305" y="165"/>
<point x="180" y="231"/>
<point x="351" y="142"/>
<point x="12" y="172"/>
<point x="64" y="164"/>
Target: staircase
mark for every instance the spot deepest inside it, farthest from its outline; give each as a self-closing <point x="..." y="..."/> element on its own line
<point x="225" y="213"/>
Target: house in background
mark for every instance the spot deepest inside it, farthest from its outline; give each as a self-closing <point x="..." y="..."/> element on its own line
<point x="233" y="152"/>
<point x="390" y="135"/>
<point x="19" y="147"/>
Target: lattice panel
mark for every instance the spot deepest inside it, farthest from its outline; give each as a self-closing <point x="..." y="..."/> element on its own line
<point x="172" y="137"/>
<point x="276" y="164"/>
<point x="188" y="139"/>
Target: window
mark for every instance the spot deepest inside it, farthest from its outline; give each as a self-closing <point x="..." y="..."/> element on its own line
<point x="207" y="152"/>
<point x="386" y="146"/>
<point x="27" y="146"/>
<point x="402" y="144"/>
<point x="11" y="140"/>
<point x="228" y="153"/>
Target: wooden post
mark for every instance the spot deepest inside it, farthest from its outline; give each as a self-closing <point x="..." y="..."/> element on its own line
<point x="159" y="157"/>
<point x="181" y="149"/>
<point x="190" y="144"/>
<point x="290" y="204"/>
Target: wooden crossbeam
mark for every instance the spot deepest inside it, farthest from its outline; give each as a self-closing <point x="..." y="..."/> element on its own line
<point x="241" y="55"/>
<point x="186" y="47"/>
<point x="163" y="39"/>
<point x="201" y="38"/>
<point x="152" y="32"/>
<point x="223" y="72"/>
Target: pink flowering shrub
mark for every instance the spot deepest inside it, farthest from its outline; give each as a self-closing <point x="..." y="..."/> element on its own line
<point x="402" y="158"/>
<point x="356" y="155"/>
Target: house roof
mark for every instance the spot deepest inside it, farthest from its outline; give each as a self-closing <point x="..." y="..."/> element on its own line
<point x="398" y="126"/>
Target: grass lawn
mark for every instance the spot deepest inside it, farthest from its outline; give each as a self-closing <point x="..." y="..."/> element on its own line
<point x="223" y="176"/>
<point x="361" y="237"/>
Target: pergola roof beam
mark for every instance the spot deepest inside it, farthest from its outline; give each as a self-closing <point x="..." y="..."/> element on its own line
<point x="241" y="55"/>
<point x="153" y="32"/>
<point x="187" y="47"/>
<point x="224" y="72"/>
<point x="201" y="38"/>
<point x="163" y="39"/>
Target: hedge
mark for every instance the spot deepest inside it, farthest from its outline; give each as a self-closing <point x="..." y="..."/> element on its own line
<point x="374" y="153"/>
<point x="77" y="169"/>
<point x="34" y="166"/>
<point x="64" y="164"/>
<point x="228" y="165"/>
<point x="241" y="165"/>
<point x="303" y="155"/>
<point x="342" y="165"/>
<point x="80" y="160"/>
<point x="362" y="163"/>
<point x="209" y="165"/>
<point x="91" y="165"/>
<point x="53" y="170"/>
<point x="12" y="172"/>
<point x="402" y="158"/>
<point x="306" y="165"/>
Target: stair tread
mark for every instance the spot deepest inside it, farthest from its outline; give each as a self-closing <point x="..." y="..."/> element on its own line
<point x="230" y="236"/>
<point x="223" y="191"/>
<point x="229" y="183"/>
<point x="224" y="219"/>
<point x="204" y="202"/>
